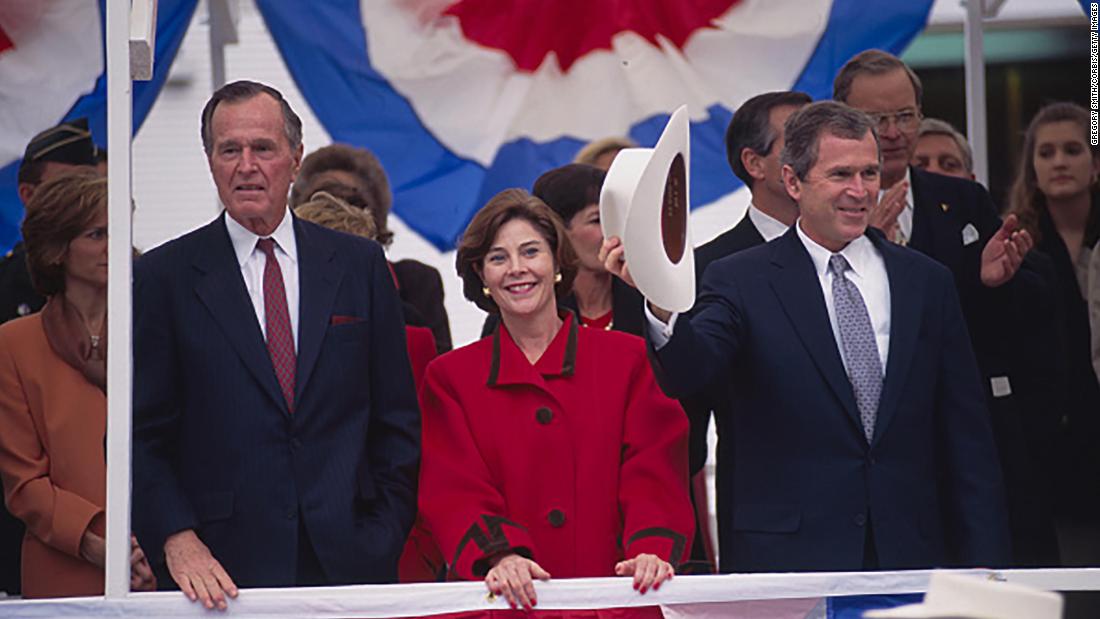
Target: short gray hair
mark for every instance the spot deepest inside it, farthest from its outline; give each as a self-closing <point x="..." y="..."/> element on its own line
<point x="805" y="127"/>
<point x="935" y="126"/>
<point x="244" y="90"/>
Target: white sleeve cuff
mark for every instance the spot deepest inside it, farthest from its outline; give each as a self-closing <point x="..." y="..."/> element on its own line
<point x="659" y="332"/>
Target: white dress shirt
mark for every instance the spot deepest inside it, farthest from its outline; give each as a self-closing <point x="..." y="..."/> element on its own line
<point x="905" y="218"/>
<point x="769" y="227"/>
<point x="252" y="262"/>
<point x="867" y="272"/>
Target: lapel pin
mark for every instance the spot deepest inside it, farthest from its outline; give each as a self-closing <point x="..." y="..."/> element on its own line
<point x="944" y="206"/>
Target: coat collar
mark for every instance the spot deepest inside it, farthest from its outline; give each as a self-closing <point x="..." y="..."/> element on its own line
<point x="510" y="366"/>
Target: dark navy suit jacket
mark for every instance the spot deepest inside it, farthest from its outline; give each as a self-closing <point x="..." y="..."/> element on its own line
<point x="215" y="447"/>
<point x="1028" y="357"/>
<point x="797" y="481"/>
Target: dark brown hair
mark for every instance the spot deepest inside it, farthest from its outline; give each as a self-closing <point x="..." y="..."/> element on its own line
<point x="479" y="236"/>
<point x="59" y="211"/>
<point x="569" y="189"/>
<point x="804" y="129"/>
<point x="751" y="128"/>
<point x="360" y="163"/>
<point x="1024" y="198"/>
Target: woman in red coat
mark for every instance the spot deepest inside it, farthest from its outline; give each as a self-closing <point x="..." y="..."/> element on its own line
<point x="548" y="448"/>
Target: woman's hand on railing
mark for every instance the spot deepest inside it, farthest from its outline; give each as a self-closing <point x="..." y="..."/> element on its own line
<point x="512" y="576"/>
<point x="648" y="571"/>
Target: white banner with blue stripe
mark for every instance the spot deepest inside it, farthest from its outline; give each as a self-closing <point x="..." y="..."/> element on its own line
<point x="463" y="98"/>
<point x="52" y="69"/>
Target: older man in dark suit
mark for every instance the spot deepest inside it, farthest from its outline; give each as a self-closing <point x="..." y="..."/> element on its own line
<point x="859" y="434"/>
<point x="955" y="222"/>
<point x="276" y="432"/>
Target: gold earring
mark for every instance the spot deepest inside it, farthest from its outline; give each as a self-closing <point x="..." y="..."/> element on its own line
<point x="485" y="290"/>
<point x="557" y="277"/>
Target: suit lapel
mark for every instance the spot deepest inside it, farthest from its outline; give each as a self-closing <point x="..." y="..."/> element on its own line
<point x="319" y="275"/>
<point x="799" y="291"/>
<point x="906" y="292"/>
<point x="221" y="289"/>
<point x="931" y="222"/>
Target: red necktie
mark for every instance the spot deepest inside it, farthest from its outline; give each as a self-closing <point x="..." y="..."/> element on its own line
<point x="280" y="338"/>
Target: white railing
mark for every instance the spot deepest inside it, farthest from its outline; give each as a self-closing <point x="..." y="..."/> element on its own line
<point x="370" y="601"/>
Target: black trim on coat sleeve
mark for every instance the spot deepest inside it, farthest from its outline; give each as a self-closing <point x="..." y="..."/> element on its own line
<point x="679" y="542"/>
<point x="494" y="542"/>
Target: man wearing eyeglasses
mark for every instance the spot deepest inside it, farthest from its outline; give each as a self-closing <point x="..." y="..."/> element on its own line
<point x="884" y="87"/>
<point x="955" y="222"/>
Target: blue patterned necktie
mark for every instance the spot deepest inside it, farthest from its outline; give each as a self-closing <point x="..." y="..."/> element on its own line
<point x="857" y="337"/>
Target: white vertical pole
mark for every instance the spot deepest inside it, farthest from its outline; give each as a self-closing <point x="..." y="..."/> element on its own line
<point x="119" y="122"/>
<point x="217" y="43"/>
<point x="974" y="69"/>
<point x="222" y="16"/>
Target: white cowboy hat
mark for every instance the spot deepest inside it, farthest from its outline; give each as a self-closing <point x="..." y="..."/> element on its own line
<point x="644" y="202"/>
<point x="971" y="596"/>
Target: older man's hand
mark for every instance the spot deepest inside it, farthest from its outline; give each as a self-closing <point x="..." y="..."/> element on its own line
<point x="884" y="215"/>
<point x="196" y="571"/>
<point x="1004" y="253"/>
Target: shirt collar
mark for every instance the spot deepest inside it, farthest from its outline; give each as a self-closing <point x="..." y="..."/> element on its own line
<point x="244" y="240"/>
<point x="857" y="253"/>
<point x="769" y="227"/>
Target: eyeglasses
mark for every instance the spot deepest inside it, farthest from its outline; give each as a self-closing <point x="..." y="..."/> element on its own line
<point x="905" y="120"/>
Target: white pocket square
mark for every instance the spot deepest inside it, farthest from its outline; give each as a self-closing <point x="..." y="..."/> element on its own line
<point x="969" y="234"/>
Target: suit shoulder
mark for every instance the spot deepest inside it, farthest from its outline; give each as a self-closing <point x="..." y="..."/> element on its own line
<point x="715" y="248"/>
<point x="415" y="269"/>
<point x="176" y="252"/>
<point x="413" y="275"/>
<point x="745" y="261"/>
<point x="742" y="236"/>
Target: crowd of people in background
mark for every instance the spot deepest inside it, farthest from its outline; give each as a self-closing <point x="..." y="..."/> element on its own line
<point x="902" y="373"/>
